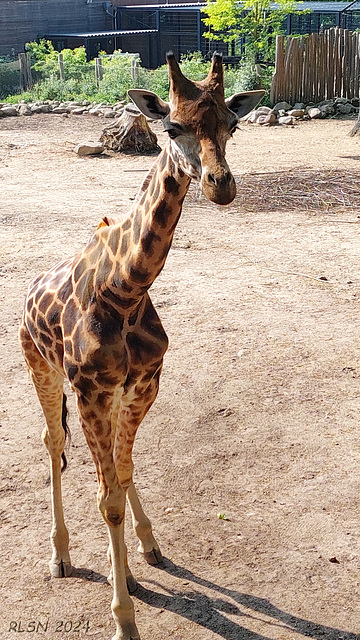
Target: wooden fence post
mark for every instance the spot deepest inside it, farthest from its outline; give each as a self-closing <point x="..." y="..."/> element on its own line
<point x="99" y="71"/>
<point x="134" y="70"/>
<point x="25" y="72"/>
<point x="61" y="66"/>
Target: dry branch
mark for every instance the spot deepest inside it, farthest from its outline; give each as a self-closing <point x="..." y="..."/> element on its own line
<point x="298" y="189"/>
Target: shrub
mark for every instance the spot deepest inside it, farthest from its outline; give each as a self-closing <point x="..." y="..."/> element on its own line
<point x="80" y="80"/>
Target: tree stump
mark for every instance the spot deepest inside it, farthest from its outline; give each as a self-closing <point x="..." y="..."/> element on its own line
<point x="130" y="134"/>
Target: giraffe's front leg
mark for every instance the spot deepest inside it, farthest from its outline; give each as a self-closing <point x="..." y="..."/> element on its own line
<point x="134" y="406"/>
<point x="111" y="501"/>
<point x="97" y="426"/>
<point x="130" y="580"/>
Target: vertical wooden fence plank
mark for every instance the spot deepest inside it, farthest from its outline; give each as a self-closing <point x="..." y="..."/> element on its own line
<point x="307" y="64"/>
<point x="278" y="77"/>
<point x="99" y="72"/>
<point x="22" y="65"/>
<point x="61" y="66"/>
<point x="357" y="65"/>
<point x="338" y="62"/>
<point x="322" y="66"/>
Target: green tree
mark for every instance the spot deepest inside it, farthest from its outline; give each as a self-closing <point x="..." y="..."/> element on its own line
<point x="255" y="20"/>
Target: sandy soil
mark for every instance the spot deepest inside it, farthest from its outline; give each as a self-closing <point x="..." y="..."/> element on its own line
<point x="257" y="416"/>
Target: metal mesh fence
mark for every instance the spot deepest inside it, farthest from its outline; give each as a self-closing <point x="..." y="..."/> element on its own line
<point x="9" y="78"/>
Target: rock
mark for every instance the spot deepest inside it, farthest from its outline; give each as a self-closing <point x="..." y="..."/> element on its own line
<point x="259" y="114"/>
<point x="324" y="103"/>
<point x="78" y="111"/>
<point x="327" y="109"/>
<point x="341" y="101"/>
<point x="264" y="110"/>
<point x="345" y="107"/>
<point x="36" y="108"/>
<point x="89" y="148"/>
<point x="282" y="105"/>
<point x="314" y="113"/>
<point x="9" y="111"/>
<point x="267" y="118"/>
<point x="24" y="110"/>
<point x="252" y="117"/>
<point x="286" y="120"/>
<point x="296" y="113"/>
<point x="109" y="113"/>
<point x="299" y="105"/>
<point x="60" y="110"/>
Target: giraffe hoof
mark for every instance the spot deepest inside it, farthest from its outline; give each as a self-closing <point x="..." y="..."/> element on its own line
<point x="131" y="583"/>
<point x="61" y="569"/>
<point x="153" y="557"/>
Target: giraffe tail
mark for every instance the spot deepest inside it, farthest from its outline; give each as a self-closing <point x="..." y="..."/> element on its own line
<point x="64" y="417"/>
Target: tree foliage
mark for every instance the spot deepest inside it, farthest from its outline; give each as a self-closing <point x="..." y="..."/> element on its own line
<point x="255" y="20"/>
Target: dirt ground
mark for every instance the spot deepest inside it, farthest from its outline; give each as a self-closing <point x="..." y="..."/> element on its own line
<point x="257" y="416"/>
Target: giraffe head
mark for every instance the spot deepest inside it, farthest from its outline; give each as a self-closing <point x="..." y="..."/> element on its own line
<point x="199" y="122"/>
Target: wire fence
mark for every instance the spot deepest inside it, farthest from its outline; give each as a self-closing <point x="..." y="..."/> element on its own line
<point x="23" y="73"/>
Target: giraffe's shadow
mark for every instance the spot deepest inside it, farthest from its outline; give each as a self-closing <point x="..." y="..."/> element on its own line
<point x="210" y="612"/>
<point x="88" y="574"/>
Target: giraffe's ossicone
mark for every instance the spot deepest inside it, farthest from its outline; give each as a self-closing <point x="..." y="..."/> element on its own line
<point x="90" y="319"/>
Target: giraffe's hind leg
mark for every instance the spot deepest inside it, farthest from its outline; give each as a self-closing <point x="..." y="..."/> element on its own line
<point x="143" y="529"/>
<point x="49" y="388"/>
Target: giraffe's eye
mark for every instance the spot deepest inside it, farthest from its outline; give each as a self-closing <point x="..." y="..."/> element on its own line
<point x="172" y="133"/>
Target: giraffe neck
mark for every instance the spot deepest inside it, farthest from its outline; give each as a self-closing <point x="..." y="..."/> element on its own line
<point x="133" y="252"/>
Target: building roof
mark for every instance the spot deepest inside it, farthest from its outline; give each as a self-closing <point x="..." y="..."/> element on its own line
<point x="101" y="34"/>
<point x="318" y="7"/>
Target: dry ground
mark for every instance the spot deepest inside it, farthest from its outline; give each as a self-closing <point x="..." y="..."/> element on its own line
<point x="257" y="416"/>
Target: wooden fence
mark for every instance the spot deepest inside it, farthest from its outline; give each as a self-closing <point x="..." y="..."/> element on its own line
<point x="316" y="67"/>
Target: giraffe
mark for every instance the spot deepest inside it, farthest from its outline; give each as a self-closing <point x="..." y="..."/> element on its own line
<point x="90" y="319"/>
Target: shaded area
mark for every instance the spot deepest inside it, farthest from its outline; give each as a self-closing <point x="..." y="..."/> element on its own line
<point x="209" y="612"/>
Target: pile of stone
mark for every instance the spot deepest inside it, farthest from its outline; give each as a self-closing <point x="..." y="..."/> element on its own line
<point x="284" y="113"/>
<point x="62" y="108"/>
<point x="281" y="114"/>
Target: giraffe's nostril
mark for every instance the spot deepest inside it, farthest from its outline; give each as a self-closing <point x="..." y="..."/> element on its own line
<point x="211" y="178"/>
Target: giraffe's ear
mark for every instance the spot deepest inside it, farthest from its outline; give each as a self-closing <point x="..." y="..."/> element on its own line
<point x="149" y="104"/>
<point x="243" y="103"/>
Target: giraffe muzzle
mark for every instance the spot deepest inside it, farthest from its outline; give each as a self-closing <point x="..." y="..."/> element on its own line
<point x="218" y="188"/>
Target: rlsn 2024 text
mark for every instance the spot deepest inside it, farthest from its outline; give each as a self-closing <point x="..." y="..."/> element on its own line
<point x="46" y="626"/>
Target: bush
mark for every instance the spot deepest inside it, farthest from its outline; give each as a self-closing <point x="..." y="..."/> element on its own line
<point x="117" y="78"/>
<point x="80" y="83"/>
